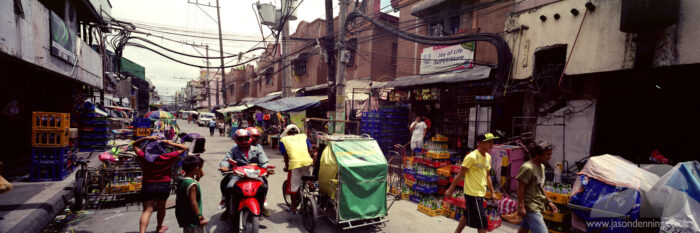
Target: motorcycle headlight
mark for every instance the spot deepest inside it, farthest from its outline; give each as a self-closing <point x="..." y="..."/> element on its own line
<point x="252" y="173"/>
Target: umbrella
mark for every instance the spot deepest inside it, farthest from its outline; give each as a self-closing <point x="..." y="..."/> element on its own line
<point x="159" y="115"/>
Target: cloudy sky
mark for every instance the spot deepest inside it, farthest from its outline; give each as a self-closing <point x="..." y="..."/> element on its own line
<point x="238" y="23"/>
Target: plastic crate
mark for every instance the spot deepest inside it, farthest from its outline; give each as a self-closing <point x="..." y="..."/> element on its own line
<point x="405" y="196"/>
<point x="50" y="155"/>
<point x="458" y="215"/>
<point x="50" y="121"/>
<point x="425" y="178"/>
<point x="448" y="213"/>
<point x="52" y="138"/>
<point x="142" y="123"/>
<point x="558" y="198"/>
<point x="100" y="129"/>
<point x="426" y="190"/>
<point x="442" y="155"/>
<point x="456" y="201"/>
<point x="558" y="217"/>
<point x="445" y="171"/>
<point x="142" y="132"/>
<point x="410" y="182"/>
<point x="439" y="139"/>
<point x="414" y="198"/>
<point x="409" y="171"/>
<point x="493" y="224"/>
<point x="49" y="172"/>
<point x="428" y="211"/>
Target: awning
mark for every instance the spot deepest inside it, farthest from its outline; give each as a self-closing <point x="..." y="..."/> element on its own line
<point x="291" y="104"/>
<point x="350" y="86"/>
<point x="267" y="98"/>
<point x="235" y="108"/>
<point x="424" y="5"/>
<point x="477" y="73"/>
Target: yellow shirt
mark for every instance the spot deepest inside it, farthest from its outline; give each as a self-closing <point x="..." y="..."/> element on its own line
<point x="297" y="150"/>
<point x="478" y="167"/>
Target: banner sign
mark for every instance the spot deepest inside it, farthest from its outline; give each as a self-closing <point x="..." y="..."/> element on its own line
<point x="447" y="58"/>
<point x="62" y="39"/>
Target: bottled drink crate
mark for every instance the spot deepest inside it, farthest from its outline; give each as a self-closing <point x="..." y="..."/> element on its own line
<point x="49" y="172"/>
<point x="50" y="121"/>
<point x="50" y="138"/>
<point x="50" y="155"/>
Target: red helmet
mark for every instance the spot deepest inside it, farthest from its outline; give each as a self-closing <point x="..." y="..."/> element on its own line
<point x="242" y="138"/>
<point x="254" y="132"/>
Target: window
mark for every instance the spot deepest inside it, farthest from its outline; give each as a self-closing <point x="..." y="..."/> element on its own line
<point x="447" y="26"/>
<point x="394" y="53"/>
<point x="268" y="78"/>
<point x="246" y="88"/>
<point x="352" y="51"/>
<point x="299" y="65"/>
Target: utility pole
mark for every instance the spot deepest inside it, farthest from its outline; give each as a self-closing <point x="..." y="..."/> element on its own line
<point x="221" y="51"/>
<point x="340" y="69"/>
<point x="330" y="55"/>
<point x="206" y="79"/>
<point x="286" y="77"/>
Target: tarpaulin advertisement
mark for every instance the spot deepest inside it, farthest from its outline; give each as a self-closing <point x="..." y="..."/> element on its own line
<point x="447" y="58"/>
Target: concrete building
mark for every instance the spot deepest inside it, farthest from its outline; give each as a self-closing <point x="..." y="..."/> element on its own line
<point x="613" y="77"/>
<point x="212" y="89"/>
<point x="48" y="63"/>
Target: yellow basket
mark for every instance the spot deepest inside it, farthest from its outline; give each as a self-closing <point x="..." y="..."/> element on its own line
<point x="559" y="198"/>
<point x="445" y="171"/>
<point x="439" y="139"/>
<point x="142" y="132"/>
<point x="405" y="196"/>
<point x="429" y="212"/>
<point x="50" y="121"/>
<point x="558" y="217"/>
<point x="498" y="195"/>
<point x="50" y="138"/>
<point x="449" y="213"/>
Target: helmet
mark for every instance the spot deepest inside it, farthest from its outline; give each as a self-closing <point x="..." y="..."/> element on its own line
<point x="242" y="138"/>
<point x="254" y="133"/>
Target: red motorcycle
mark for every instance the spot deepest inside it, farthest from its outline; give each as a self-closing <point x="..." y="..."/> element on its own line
<point x="246" y="215"/>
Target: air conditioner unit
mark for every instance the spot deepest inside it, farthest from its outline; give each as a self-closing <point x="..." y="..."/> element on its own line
<point x="267" y="14"/>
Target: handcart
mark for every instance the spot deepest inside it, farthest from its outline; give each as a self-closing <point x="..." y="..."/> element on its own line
<point x="352" y="180"/>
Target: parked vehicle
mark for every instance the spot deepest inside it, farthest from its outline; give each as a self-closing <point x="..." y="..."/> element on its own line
<point x="204" y="118"/>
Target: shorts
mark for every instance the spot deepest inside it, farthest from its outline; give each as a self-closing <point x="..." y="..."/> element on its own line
<point x="416" y="144"/>
<point x="475" y="212"/>
<point x="294" y="179"/>
<point x="155" y="191"/>
<point x="197" y="229"/>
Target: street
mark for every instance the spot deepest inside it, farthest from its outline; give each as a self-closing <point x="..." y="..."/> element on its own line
<point x="403" y="215"/>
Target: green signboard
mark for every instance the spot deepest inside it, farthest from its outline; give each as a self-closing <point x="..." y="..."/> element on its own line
<point x="62" y="38"/>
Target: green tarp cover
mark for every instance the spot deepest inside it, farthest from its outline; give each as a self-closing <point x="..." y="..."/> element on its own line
<point x="363" y="173"/>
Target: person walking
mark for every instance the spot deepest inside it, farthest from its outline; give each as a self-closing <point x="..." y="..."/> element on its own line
<point x="475" y="171"/>
<point x="296" y="149"/>
<point x="531" y="197"/>
<point x="157" y="169"/>
<point x="212" y="127"/>
<point x="188" y="202"/>
<point x="222" y="128"/>
<point x="418" y="130"/>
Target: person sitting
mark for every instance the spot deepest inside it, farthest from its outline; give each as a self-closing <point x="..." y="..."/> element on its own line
<point x="255" y="142"/>
<point x="241" y="154"/>
<point x="296" y="150"/>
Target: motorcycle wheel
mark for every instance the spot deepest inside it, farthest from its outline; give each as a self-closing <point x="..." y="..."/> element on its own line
<point x="310" y="213"/>
<point x="251" y="223"/>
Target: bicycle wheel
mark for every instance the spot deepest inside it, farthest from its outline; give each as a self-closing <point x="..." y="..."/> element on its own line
<point x="310" y="212"/>
<point x="287" y="197"/>
<point x="79" y="192"/>
<point x="395" y="173"/>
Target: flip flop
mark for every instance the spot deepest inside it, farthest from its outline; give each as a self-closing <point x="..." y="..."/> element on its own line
<point x="163" y="228"/>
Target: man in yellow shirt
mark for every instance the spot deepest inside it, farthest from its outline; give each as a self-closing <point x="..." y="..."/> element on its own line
<point x="475" y="171"/>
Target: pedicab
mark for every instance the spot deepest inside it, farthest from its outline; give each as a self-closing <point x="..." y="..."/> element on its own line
<point x="352" y="176"/>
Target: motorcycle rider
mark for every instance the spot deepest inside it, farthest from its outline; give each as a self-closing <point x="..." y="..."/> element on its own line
<point x="241" y="154"/>
<point x="255" y="136"/>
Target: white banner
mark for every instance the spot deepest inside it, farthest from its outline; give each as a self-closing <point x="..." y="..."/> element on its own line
<point x="446" y="58"/>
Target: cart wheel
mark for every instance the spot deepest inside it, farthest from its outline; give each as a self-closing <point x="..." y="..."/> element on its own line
<point x="287" y="197"/>
<point x="310" y="213"/>
<point x="79" y="193"/>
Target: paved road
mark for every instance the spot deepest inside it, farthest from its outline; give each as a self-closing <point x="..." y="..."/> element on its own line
<point x="403" y="215"/>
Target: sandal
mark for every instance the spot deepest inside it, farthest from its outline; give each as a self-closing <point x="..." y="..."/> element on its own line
<point x="163" y="228"/>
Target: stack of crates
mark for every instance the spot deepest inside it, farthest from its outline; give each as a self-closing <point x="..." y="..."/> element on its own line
<point x="94" y="131"/>
<point x="142" y="127"/>
<point x="394" y="127"/>
<point x="371" y="124"/>
<point x="51" y="157"/>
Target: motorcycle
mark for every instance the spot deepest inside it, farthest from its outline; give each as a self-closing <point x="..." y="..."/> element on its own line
<point x="247" y="215"/>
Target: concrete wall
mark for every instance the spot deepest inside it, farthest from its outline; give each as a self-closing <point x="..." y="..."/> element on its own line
<point x="28" y="39"/>
<point x="578" y="134"/>
<point x="601" y="45"/>
<point x="316" y="70"/>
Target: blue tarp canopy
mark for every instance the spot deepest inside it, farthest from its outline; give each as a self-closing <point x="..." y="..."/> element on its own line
<point x="290" y="104"/>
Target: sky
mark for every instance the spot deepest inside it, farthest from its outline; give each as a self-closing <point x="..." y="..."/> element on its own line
<point x="238" y="22"/>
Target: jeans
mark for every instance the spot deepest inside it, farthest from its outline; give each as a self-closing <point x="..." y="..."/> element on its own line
<point x="211" y="131"/>
<point x="535" y="222"/>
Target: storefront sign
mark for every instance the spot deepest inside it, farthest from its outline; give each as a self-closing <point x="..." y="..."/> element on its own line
<point x="62" y="39"/>
<point x="447" y="58"/>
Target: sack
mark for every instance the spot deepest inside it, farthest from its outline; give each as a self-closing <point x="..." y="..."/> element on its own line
<point x="5" y="186"/>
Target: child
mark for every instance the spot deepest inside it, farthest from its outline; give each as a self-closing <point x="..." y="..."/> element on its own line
<point x="188" y="207"/>
<point x="222" y="128"/>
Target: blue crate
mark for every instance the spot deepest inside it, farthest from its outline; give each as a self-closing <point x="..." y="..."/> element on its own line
<point x="409" y="171"/>
<point x="49" y="172"/>
<point x="426" y="178"/>
<point x="100" y="129"/>
<point x="100" y="136"/>
<point x="458" y="216"/>
<point x="425" y="190"/>
<point x="414" y="198"/>
<point x="46" y="155"/>
<point x="142" y="123"/>
<point x="86" y="136"/>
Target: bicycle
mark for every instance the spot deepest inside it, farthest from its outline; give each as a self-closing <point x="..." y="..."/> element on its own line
<point x="80" y="188"/>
